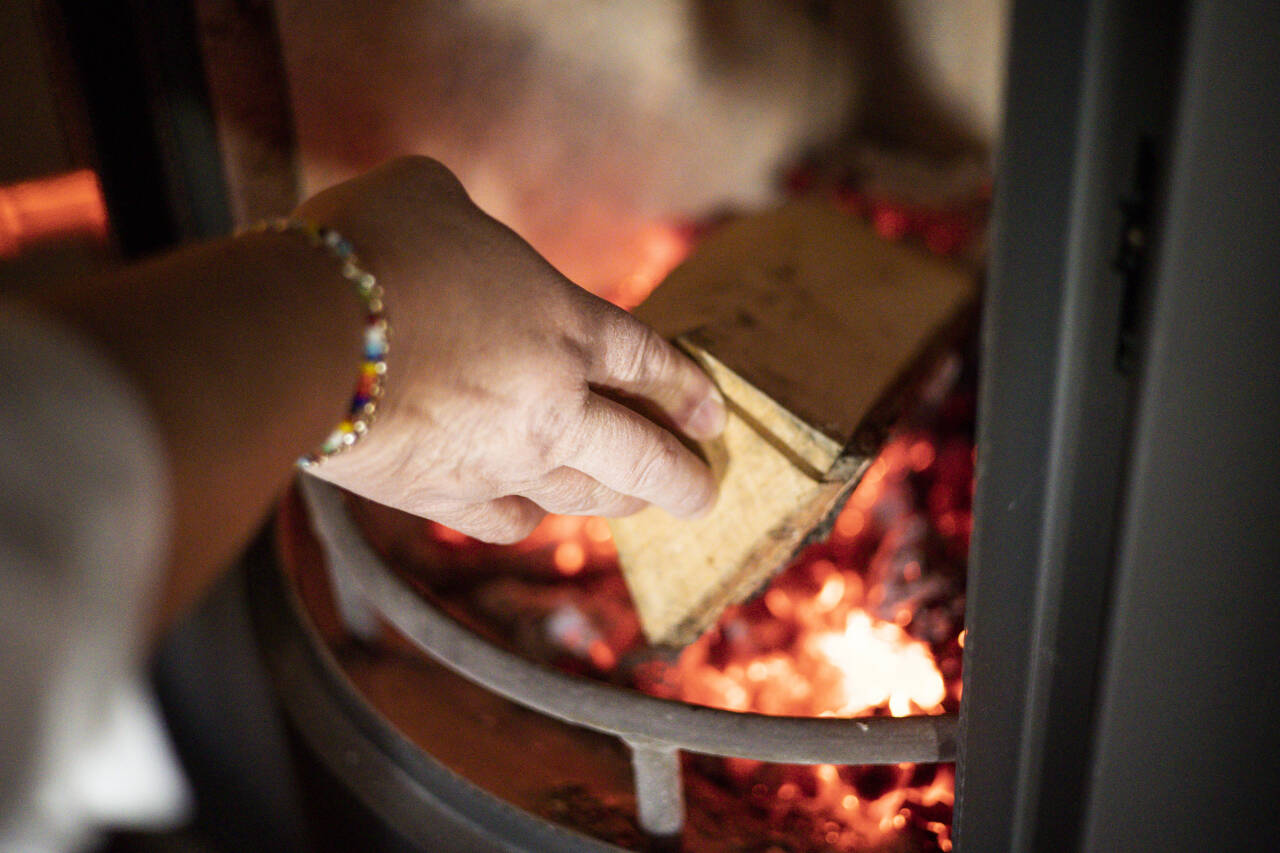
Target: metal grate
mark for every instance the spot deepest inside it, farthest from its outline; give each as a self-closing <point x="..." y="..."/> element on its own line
<point x="655" y="729"/>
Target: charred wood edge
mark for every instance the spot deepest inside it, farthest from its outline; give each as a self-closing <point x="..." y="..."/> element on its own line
<point x="859" y="466"/>
<point x="873" y="431"/>
<point x="632" y="716"/>
<point x="855" y="459"/>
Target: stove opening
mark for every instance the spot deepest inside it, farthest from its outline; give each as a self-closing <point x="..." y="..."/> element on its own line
<point x="865" y="623"/>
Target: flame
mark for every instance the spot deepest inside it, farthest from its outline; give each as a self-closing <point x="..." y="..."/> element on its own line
<point x="841" y="633"/>
<point x="833" y="636"/>
<point x="837" y="657"/>
<point x="854" y="627"/>
<point x="843" y="661"/>
<point x="569" y="543"/>
<point x="879" y="665"/>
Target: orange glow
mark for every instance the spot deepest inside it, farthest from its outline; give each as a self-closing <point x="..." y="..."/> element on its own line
<point x="663" y="246"/>
<point x="881" y="665"/>
<point x="832" y="591"/>
<point x="841" y="633"/>
<point x="850" y="524"/>
<point x="447" y="534"/>
<point x="570" y="557"/>
<point x="922" y="455"/>
<point x="817" y="643"/>
<point x="50" y="209"/>
<point x="602" y="656"/>
<point x="864" y="624"/>
<point x="597" y="530"/>
<point x="779" y="603"/>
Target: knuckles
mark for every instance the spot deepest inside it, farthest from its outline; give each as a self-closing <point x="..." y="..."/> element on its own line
<point x="556" y="424"/>
<point x="648" y="358"/>
<point x="501" y="522"/>
<point x="657" y="464"/>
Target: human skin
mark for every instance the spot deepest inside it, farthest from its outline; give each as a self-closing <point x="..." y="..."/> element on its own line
<point x="503" y="388"/>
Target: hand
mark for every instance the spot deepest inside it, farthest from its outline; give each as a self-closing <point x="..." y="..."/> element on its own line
<point x="504" y="377"/>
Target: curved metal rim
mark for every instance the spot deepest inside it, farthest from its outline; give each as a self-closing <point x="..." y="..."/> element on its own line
<point x="635" y="717"/>
<point x="421" y="800"/>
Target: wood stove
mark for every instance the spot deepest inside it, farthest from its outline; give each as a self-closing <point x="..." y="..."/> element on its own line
<point x="881" y="526"/>
<point x="1122" y="591"/>
<point x="653" y="729"/>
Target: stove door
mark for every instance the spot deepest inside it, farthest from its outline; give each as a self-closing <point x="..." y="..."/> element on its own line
<point x="1122" y="584"/>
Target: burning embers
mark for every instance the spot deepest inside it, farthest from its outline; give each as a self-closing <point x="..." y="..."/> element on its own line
<point x="866" y="623"/>
<point x="841" y="662"/>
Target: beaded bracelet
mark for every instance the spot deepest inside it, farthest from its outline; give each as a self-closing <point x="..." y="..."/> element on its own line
<point x="373" y="364"/>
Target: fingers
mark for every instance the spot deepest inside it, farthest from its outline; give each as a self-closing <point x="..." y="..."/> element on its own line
<point x="502" y="521"/>
<point x="506" y="520"/>
<point x="631" y="455"/>
<point x="569" y="492"/>
<point x="634" y="359"/>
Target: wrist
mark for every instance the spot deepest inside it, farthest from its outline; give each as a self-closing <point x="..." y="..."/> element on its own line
<point x="362" y="409"/>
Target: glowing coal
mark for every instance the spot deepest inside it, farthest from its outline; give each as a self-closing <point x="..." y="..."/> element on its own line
<point x="865" y="623"/>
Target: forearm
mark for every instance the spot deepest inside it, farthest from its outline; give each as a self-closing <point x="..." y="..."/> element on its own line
<point x="246" y="352"/>
<point x="503" y="381"/>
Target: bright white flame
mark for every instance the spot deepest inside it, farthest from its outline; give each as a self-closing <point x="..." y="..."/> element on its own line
<point x="880" y="663"/>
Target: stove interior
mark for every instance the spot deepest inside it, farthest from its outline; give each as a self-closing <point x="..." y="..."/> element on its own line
<point x="613" y="139"/>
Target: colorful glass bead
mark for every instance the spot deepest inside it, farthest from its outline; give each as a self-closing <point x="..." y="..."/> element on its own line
<point x="373" y="367"/>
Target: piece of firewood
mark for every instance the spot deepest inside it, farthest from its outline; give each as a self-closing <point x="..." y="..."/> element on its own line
<point x="811" y="326"/>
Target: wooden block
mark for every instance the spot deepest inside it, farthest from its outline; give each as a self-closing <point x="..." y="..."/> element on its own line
<point x="811" y="326"/>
